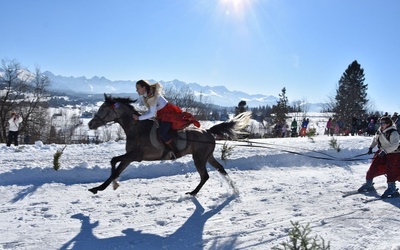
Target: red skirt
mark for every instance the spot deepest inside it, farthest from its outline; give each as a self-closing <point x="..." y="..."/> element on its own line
<point x="178" y="118"/>
<point x="388" y="164"/>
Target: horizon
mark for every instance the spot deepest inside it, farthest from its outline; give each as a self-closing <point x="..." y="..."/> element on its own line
<point x="257" y="47"/>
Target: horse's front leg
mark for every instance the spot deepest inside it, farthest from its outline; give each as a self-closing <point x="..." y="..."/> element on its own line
<point x="113" y="177"/>
<point x="124" y="160"/>
<point x="115" y="172"/>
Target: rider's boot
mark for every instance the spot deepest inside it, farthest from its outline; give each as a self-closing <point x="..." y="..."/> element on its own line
<point x="172" y="147"/>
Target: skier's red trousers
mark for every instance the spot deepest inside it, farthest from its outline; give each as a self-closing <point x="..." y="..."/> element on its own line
<point x="388" y="164"/>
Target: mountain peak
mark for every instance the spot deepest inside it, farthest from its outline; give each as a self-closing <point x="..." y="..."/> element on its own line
<point x="218" y="95"/>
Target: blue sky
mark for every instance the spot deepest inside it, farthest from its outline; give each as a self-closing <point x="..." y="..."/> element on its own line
<point x="255" y="46"/>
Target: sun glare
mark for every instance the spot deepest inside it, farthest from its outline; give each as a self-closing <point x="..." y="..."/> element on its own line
<point x="235" y="6"/>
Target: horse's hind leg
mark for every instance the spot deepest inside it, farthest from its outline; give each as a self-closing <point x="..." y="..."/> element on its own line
<point x="213" y="162"/>
<point x="200" y="163"/>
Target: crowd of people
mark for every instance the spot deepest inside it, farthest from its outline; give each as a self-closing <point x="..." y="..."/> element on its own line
<point x="359" y="126"/>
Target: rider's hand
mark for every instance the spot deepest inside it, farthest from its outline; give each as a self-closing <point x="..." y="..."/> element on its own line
<point x="382" y="153"/>
<point x="370" y="151"/>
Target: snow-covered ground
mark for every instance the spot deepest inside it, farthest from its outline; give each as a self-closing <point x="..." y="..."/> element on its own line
<point x="46" y="209"/>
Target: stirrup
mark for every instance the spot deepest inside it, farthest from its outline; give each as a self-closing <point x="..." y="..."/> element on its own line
<point x="165" y="153"/>
<point x="170" y="153"/>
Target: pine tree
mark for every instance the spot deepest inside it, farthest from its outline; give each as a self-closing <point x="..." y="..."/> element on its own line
<point x="281" y="109"/>
<point x="351" y="95"/>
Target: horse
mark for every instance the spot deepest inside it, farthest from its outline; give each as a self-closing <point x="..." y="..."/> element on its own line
<point x="141" y="145"/>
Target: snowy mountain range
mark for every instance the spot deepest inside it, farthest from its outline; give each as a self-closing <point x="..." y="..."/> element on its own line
<point x="218" y="95"/>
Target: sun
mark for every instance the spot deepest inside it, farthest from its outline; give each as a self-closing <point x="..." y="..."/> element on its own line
<point x="236" y="7"/>
<point x="235" y="4"/>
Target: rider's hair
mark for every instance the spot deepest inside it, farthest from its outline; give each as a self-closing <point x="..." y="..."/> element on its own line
<point x="144" y="83"/>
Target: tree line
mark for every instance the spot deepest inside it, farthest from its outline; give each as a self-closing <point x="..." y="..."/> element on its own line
<point x="348" y="104"/>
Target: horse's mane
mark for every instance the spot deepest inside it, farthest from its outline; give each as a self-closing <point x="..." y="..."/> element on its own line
<point x="124" y="100"/>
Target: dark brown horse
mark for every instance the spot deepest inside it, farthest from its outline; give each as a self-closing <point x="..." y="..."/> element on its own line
<point x="141" y="145"/>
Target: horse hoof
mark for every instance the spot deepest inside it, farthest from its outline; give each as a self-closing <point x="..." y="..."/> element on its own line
<point x="94" y="191"/>
<point x="191" y="193"/>
<point x="222" y="171"/>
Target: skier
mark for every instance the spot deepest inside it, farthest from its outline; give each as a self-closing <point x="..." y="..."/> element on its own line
<point x="386" y="160"/>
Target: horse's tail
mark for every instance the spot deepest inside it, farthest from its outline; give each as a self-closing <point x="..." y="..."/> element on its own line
<point x="232" y="127"/>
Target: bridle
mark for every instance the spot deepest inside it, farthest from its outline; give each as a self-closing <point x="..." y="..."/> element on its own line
<point x="118" y="117"/>
<point x="102" y="119"/>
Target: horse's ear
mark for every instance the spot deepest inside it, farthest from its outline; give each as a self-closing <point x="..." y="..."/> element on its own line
<point x="107" y="97"/>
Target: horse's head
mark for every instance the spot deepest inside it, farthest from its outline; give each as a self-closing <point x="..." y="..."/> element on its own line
<point x="112" y="110"/>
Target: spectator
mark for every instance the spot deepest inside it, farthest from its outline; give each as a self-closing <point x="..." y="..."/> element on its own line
<point x="337" y="128"/>
<point x="354" y="126"/>
<point x="304" y="124"/>
<point x="294" y="128"/>
<point x="396" y="121"/>
<point x="278" y="129"/>
<point x="13" y="128"/>
<point x="371" y="127"/>
<point x="329" y="127"/>
<point x="284" y="129"/>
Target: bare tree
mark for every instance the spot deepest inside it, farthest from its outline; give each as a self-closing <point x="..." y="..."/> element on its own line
<point x="23" y="92"/>
<point x="35" y="107"/>
<point x="186" y="99"/>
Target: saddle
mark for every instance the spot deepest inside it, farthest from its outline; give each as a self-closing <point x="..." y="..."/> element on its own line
<point x="179" y="137"/>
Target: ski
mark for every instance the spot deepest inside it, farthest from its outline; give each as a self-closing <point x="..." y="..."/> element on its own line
<point x="353" y="192"/>
<point x="373" y="199"/>
<point x="381" y="198"/>
<point x="348" y="193"/>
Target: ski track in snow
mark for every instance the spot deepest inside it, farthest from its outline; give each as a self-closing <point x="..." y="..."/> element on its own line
<point x="46" y="209"/>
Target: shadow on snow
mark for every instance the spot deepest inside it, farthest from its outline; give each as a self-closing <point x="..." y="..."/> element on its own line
<point x="188" y="236"/>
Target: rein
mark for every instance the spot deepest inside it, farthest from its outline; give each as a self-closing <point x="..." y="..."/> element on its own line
<point x="314" y="151"/>
<point x="326" y="156"/>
